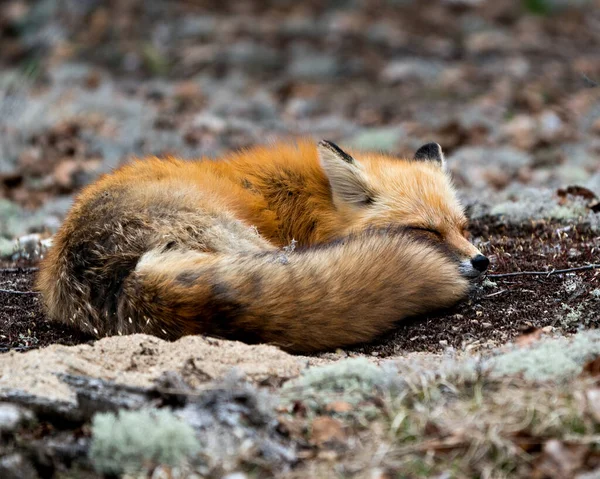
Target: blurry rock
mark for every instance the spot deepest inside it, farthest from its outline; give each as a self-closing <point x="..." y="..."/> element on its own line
<point x="14" y="12"/>
<point x="252" y="55"/>
<point x="202" y="26"/>
<point x="399" y="71"/>
<point x="480" y="167"/>
<point x="210" y="123"/>
<point x="378" y="139"/>
<point x="387" y="32"/>
<point x="517" y="67"/>
<point x="188" y="92"/>
<point x="548" y="157"/>
<point x="10" y="213"/>
<point x="314" y="66"/>
<point x="16" y="466"/>
<point x="560" y="459"/>
<point x="521" y="131"/>
<point x="301" y="26"/>
<point x="551" y="127"/>
<point x="489" y="41"/>
<point x="30" y="246"/>
<point x="301" y="107"/>
<point x="13" y="417"/>
<point x="64" y="173"/>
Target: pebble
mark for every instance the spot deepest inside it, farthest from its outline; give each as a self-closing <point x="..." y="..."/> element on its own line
<point x="12" y="417"/>
<point x="15" y="466"/>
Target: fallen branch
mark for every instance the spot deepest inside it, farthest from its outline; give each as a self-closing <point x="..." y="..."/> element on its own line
<point x="545" y="273"/>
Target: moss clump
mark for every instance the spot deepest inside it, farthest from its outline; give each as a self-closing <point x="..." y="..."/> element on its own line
<point x="352" y="380"/>
<point x="131" y="440"/>
<point x="552" y="359"/>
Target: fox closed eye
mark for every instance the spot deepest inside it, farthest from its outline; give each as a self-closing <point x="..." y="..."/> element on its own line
<point x="428" y="230"/>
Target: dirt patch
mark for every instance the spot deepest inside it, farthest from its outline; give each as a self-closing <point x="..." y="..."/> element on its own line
<point x="23" y="325"/>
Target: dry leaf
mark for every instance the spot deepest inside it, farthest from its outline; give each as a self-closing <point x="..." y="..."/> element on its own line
<point x="327" y="430"/>
<point x="339" y="406"/>
<point x="592" y="201"/>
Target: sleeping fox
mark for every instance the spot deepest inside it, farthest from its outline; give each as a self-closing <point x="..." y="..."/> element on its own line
<point x="302" y="245"/>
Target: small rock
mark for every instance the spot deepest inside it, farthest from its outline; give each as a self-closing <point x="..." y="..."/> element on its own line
<point x="550" y="126"/>
<point x="488" y="41"/>
<point x="64" y="173"/>
<point x="521" y="131"/>
<point x="12" y="417"/>
<point x="409" y="70"/>
<point x="31" y="246"/>
<point x="252" y="55"/>
<point x="212" y="123"/>
<point x="236" y="475"/>
<point x="379" y="473"/>
<point x="15" y="466"/>
<point x="314" y="66"/>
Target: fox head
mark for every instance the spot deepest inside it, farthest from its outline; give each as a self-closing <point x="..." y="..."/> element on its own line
<point x="377" y="190"/>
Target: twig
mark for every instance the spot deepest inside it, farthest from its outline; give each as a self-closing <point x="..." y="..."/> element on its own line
<point x="590" y="83"/>
<point x="12" y="291"/>
<point x="545" y="273"/>
<point x="19" y="270"/>
<point x="496" y="293"/>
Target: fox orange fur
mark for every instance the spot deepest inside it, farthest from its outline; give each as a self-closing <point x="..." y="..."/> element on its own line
<point x="171" y="247"/>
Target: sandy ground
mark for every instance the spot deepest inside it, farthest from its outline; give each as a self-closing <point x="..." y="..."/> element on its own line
<point x="139" y="360"/>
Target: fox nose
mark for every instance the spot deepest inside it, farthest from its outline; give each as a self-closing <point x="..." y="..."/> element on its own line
<point x="480" y="263"/>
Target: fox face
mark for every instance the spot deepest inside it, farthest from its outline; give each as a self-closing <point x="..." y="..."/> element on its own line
<point x="377" y="190"/>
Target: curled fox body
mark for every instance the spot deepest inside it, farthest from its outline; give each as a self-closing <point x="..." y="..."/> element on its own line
<point x="170" y="247"/>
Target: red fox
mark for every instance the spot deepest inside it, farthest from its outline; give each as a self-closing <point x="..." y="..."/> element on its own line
<point x="301" y="245"/>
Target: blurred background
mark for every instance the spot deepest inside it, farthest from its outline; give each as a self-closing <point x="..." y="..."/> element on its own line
<point x="509" y="88"/>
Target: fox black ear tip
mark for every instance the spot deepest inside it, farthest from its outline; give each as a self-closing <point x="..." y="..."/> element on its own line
<point x="430" y="151"/>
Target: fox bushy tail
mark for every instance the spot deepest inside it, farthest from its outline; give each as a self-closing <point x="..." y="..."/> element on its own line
<point x="321" y="298"/>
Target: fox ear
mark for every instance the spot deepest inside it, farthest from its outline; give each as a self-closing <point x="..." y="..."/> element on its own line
<point x="345" y="174"/>
<point x="431" y="152"/>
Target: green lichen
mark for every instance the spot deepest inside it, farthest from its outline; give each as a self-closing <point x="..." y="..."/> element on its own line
<point x="132" y="440"/>
<point x="550" y="359"/>
<point x="351" y="380"/>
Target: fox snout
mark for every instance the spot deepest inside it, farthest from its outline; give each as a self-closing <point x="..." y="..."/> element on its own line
<point x="475" y="266"/>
